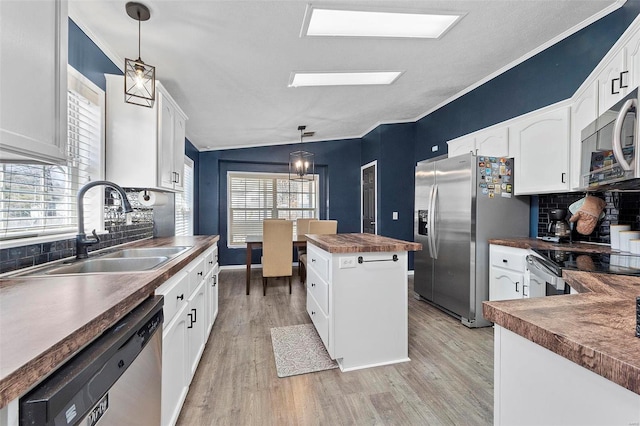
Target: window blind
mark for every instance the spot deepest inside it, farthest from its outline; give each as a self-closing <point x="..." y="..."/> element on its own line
<point x="184" y="202"/>
<point x="40" y="199"/>
<point x="254" y="197"/>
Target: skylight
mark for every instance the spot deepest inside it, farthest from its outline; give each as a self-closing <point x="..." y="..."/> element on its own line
<point x="300" y="79"/>
<point x="353" y="23"/>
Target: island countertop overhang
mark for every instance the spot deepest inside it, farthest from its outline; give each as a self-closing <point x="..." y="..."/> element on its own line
<point x="360" y="243"/>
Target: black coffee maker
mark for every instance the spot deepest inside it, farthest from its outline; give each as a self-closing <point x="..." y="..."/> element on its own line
<point x="558" y="226"/>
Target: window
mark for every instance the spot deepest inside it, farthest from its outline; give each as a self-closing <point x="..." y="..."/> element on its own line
<point x="253" y="197"/>
<point x="184" y="202"/>
<point x="40" y="199"/>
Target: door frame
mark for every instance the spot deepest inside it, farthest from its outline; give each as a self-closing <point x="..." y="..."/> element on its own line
<point x="373" y="163"/>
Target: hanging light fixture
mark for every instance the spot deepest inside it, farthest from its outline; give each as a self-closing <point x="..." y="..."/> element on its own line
<point x="139" y="78"/>
<point x="301" y="167"/>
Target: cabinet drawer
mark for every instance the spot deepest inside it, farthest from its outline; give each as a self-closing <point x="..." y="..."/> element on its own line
<point x="196" y="273"/>
<point x="176" y="292"/>
<point x="210" y="259"/>
<point x="320" y="320"/>
<point x="317" y="261"/>
<point x="319" y="289"/>
<point x="508" y="257"/>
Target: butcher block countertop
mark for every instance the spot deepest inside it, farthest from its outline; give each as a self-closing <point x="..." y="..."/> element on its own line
<point x="595" y="328"/>
<point x="534" y="243"/>
<point x="44" y="320"/>
<point x="360" y="243"/>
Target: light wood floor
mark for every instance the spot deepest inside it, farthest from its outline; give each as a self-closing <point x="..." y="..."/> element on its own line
<point x="449" y="380"/>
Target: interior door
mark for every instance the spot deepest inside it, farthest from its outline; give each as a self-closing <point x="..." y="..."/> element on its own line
<point x="369" y="199"/>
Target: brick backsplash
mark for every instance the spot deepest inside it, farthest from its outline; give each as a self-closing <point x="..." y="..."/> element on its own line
<point x="119" y="232"/>
<point x="622" y="208"/>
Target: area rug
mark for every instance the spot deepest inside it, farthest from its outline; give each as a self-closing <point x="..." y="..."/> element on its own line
<point x="299" y="350"/>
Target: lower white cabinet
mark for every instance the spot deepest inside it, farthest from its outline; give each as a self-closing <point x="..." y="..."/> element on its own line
<point x="188" y="318"/>
<point x="507" y="273"/>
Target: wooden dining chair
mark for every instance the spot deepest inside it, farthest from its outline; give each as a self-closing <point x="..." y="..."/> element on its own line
<point x="316" y="227"/>
<point x="277" y="251"/>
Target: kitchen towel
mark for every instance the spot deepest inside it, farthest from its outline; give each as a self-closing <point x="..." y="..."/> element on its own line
<point x="150" y="198"/>
<point x="625" y="237"/>
<point x="615" y="235"/>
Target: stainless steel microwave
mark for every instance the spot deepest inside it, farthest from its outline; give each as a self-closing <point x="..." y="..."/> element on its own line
<point x="610" y="154"/>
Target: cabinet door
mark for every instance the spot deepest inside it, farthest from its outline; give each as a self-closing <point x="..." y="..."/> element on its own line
<point x="584" y="111"/>
<point x="493" y="142"/>
<point x="611" y="90"/>
<point x="505" y="285"/>
<point x="541" y="149"/>
<point x="632" y="54"/>
<point x="166" y="129"/>
<point x="196" y="325"/>
<point x="212" y="309"/>
<point x="178" y="152"/>
<point x="461" y="145"/>
<point x="174" y="367"/>
<point x="33" y="77"/>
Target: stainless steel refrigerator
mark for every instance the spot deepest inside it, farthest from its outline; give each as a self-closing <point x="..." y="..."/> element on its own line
<point x="461" y="203"/>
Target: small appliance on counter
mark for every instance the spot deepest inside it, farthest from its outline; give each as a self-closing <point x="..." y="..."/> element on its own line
<point x="558" y="229"/>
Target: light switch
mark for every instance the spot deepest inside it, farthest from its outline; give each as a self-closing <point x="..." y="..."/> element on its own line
<point x="395" y="215"/>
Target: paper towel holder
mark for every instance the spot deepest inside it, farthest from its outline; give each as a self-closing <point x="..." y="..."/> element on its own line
<point x="146" y="196"/>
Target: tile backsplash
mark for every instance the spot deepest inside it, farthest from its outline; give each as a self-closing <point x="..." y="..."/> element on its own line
<point x="119" y="232"/>
<point x="621" y="208"/>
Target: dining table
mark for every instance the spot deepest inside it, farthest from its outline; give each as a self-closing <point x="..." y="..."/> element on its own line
<point x="255" y="241"/>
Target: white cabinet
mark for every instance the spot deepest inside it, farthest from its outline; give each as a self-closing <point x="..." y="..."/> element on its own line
<point x="359" y="308"/>
<point x="212" y="272"/>
<point x="539" y="142"/>
<point x="584" y="110"/>
<point x="144" y="146"/>
<point x="492" y="141"/>
<point x="613" y="81"/>
<point x="33" y="78"/>
<point x="186" y="329"/>
<point x="507" y="273"/>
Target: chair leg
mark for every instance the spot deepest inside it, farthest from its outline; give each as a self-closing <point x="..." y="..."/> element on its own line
<point x="289" y="284"/>
<point x="264" y="286"/>
<point x="303" y="272"/>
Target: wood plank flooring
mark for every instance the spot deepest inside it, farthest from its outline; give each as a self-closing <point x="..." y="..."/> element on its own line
<point x="449" y="380"/>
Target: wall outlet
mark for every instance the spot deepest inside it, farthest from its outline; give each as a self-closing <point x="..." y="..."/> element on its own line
<point x="434" y="148"/>
<point x="395" y="215"/>
<point x="348" y="262"/>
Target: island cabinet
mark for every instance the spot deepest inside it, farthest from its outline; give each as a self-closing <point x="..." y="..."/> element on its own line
<point x="144" y="146"/>
<point x="33" y="77"/>
<point x="357" y="297"/>
<point x="188" y="318"/>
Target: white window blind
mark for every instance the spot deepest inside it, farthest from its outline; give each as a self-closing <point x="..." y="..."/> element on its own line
<point x="184" y="202"/>
<point x="40" y="199"/>
<point x="253" y="197"/>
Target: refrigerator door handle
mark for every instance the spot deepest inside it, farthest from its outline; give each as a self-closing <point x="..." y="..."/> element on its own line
<point x="433" y="233"/>
<point x="429" y="228"/>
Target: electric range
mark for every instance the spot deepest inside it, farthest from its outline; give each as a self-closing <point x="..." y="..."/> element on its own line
<point x="609" y="263"/>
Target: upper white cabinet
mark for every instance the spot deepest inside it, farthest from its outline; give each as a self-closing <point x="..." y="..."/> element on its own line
<point x="613" y="81"/>
<point x="539" y="142"/>
<point x="584" y="111"/>
<point x="492" y="141"/>
<point x="33" y="78"/>
<point x="144" y="146"/>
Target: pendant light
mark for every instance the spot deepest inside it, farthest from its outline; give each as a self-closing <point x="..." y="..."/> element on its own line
<point x="301" y="167"/>
<point x="139" y="78"/>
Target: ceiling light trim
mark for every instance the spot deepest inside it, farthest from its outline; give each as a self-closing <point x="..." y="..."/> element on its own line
<point x="348" y="78"/>
<point x="374" y="12"/>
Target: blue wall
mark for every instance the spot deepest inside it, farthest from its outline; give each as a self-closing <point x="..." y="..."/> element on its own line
<point x="193" y="153"/>
<point x="337" y="163"/>
<point x="88" y="59"/>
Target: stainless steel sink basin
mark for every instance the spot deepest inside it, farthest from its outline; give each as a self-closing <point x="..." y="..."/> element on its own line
<point x="105" y="265"/>
<point x="146" y="252"/>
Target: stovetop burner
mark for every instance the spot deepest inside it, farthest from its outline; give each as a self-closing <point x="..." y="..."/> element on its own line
<point x="609" y="263"/>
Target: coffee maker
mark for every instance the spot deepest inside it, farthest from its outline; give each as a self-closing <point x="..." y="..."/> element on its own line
<point x="559" y="229"/>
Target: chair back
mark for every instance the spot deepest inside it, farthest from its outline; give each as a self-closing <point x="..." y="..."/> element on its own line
<point x="302" y="227"/>
<point x="277" y="248"/>
<point x="323" y="227"/>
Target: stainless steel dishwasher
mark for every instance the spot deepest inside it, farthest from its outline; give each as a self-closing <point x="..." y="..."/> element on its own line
<point x="115" y="380"/>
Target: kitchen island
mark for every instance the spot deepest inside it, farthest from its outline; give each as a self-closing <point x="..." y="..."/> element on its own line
<point x="570" y="359"/>
<point x="357" y="297"/>
<point x="45" y="320"/>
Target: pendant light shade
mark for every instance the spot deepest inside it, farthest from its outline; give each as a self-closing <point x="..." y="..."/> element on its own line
<point x="301" y="163"/>
<point x="139" y="78"/>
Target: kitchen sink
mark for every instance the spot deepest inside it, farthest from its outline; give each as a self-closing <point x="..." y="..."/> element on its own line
<point x="133" y="253"/>
<point x="105" y="265"/>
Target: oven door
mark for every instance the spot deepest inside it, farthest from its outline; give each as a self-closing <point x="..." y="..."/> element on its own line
<point x="543" y="280"/>
<point x="610" y="146"/>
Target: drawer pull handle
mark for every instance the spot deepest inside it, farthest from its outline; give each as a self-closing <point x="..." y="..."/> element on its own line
<point x="313" y="312"/>
<point x="505" y="261"/>
<point x="181" y="297"/>
<point x="313" y="284"/>
<point x="200" y="273"/>
<point x="313" y="260"/>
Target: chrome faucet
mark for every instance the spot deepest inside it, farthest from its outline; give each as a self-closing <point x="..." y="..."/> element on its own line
<point x="82" y="242"/>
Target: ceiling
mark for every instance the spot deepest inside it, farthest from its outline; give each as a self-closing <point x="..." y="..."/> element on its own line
<point x="228" y="63"/>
